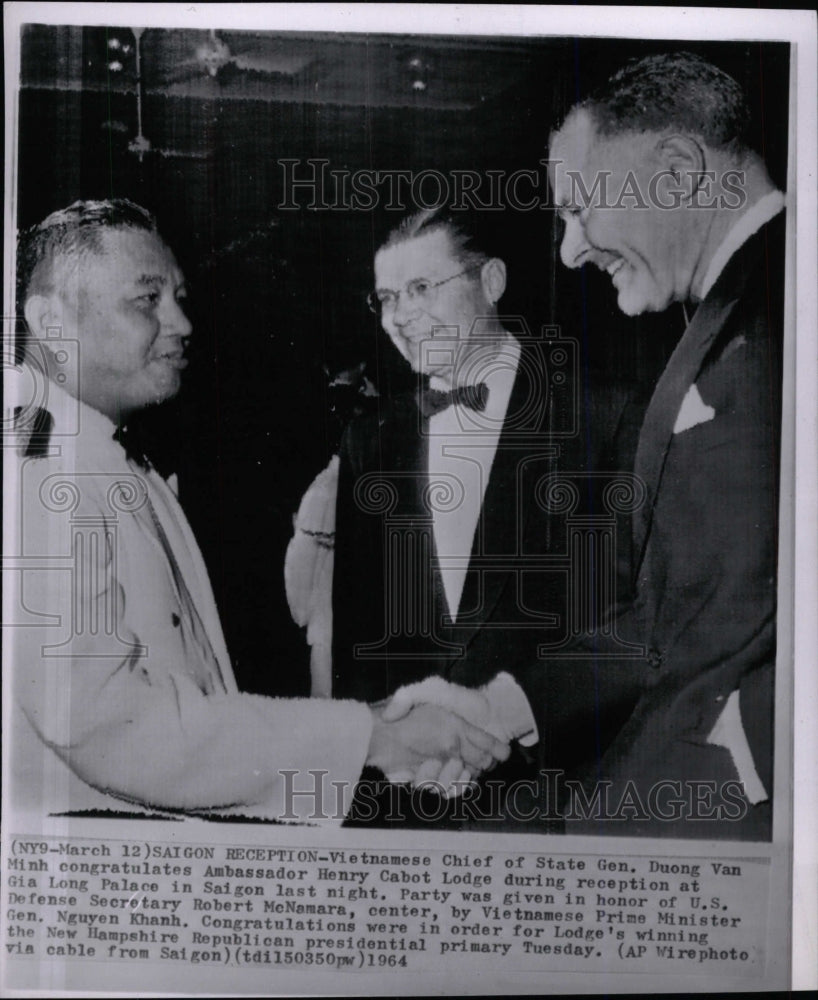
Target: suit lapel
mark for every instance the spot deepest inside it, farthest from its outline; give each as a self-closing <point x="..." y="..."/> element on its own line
<point x="408" y="455"/>
<point x="501" y="524"/>
<point x="400" y="455"/>
<point x="680" y="374"/>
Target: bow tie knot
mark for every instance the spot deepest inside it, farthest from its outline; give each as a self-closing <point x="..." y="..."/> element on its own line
<point x="131" y="441"/>
<point x="473" y="397"/>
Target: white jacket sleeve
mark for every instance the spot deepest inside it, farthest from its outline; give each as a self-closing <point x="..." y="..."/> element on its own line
<point x="129" y="714"/>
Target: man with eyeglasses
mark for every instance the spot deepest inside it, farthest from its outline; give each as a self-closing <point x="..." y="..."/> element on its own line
<point x="435" y="495"/>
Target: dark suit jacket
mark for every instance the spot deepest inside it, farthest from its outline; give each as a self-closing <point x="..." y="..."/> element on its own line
<point x="389" y="612"/>
<point x="704" y="603"/>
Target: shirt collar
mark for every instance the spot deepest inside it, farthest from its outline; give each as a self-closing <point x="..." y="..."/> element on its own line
<point x="750" y="222"/>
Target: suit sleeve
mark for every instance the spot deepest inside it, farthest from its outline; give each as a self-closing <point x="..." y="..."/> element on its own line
<point x="359" y="581"/>
<point x="709" y="582"/>
<point x="705" y="610"/>
<point x="143" y="727"/>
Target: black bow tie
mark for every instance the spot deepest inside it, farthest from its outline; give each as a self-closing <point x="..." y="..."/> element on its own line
<point x="474" y="397"/>
<point x="130" y="441"/>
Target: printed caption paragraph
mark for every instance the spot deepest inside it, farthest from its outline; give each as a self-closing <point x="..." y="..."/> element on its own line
<point x="357" y="909"/>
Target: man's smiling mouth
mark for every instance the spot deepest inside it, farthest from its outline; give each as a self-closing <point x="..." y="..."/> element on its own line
<point x="174" y="358"/>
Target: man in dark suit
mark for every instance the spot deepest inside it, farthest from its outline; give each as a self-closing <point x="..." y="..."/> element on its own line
<point x="658" y="187"/>
<point x="442" y="547"/>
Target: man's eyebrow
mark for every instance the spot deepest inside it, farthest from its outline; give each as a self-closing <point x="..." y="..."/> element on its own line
<point x="151" y="279"/>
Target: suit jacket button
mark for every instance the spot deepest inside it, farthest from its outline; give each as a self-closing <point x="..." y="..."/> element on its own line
<point x="177" y="621"/>
<point x="654" y="659"/>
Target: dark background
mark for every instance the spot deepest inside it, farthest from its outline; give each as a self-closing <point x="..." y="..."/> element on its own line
<point x="277" y="295"/>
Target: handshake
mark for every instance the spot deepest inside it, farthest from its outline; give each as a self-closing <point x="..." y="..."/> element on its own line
<point x="440" y="735"/>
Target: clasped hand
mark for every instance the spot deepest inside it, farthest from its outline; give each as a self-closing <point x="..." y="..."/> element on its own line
<point x="432" y="745"/>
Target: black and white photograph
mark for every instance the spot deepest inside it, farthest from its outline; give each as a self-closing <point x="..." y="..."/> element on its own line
<point x="409" y="541"/>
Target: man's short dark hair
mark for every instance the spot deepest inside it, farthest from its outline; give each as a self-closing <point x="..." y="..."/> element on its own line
<point x="678" y="90"/>
<point x="70" y="234"/>
<point x="471" y="243"/>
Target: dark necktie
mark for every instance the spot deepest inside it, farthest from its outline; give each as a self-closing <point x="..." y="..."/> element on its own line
<point x="40" y="423"/>
<point x="130" y="441"/>
<point x="474" y="397"/>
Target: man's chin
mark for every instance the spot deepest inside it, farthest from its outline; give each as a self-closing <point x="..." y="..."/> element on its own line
<point x="437" y="371"/>
<point x="628" y="307"/>
<point x="634" y="302"/>
<point x="161" y="392"/>
<point x="426" y="367"/>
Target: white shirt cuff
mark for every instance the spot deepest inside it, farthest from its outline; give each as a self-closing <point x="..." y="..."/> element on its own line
<point x="510" y="715"/>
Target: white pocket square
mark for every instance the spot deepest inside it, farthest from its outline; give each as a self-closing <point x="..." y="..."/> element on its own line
<point x="693" y="411"/>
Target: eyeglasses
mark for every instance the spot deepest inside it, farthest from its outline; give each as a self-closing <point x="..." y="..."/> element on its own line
<point x="420" y="291"/>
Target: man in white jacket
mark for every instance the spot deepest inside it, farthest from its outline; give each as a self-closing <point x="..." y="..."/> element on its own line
<point x="122" y="685"/>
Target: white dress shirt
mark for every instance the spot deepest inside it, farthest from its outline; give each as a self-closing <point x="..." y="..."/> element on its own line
<point x="462" y="446"/>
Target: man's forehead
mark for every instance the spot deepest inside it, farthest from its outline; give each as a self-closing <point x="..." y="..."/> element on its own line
<point x="579" y="144"/>
<point x="574" y="145"/>
<point x="577" y="131"/>
<point x="421" y="255"/>
<point x="136" y="255"/>
<point x="579" y="153"/>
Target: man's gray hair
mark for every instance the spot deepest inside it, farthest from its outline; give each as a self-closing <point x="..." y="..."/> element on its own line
<point x="675" y="91"/>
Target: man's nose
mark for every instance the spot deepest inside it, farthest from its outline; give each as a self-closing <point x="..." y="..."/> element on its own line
<point x="405" y="309"/>
<point x="575" y="245"/>
<point x="174" y="320"/>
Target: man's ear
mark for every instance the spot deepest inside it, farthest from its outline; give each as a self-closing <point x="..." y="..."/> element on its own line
<point x="493" y="279"/>
<point x="685" y="158"/>
<point x="43" y="314"/>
